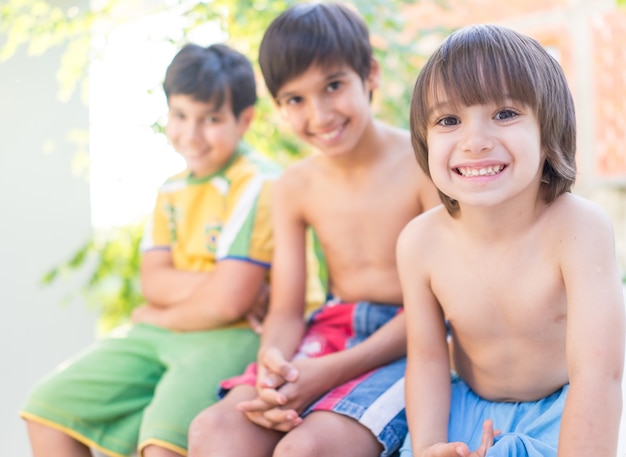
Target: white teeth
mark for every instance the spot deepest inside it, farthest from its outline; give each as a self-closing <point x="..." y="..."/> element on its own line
<point x="491" y="170"/>
<point x="329" y="135"/>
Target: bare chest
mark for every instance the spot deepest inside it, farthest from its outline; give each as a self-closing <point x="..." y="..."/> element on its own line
<point x="361" y="223"/>
<point x="515" y="292"/>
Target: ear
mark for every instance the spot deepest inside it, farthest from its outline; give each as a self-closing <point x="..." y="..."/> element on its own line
<point x="245" y="118"/>
<point x="373" y="79"/>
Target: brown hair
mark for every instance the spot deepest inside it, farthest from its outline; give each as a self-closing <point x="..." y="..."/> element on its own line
<point x="479" y="64"/>
<point x="216" y="73"/>
<point x="308" y="34"/>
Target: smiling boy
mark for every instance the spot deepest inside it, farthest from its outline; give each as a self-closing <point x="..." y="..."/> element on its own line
<point x="335" y="385"/>
<point x="520" y="271"/>
<point x="206" y="254"/>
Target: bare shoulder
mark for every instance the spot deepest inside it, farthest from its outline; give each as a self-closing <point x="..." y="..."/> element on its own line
<point x="397" y="142"/>
<point x="425" y="233"/>
<point x="395" y="139"/>
<point x="578" y="218"/>
<point x="579" y="235"/>
<point x="297" y="176"/>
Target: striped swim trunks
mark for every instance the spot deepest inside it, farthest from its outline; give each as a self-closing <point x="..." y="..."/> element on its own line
<point x="374" y="399"/>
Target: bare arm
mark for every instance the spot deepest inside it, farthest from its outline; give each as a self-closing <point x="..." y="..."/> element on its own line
<point x="284" y="325"/>
<point x="164" y="285"/>
<point x="595" y="339"/>
<point x="225" y="297"/>
<point x="428" y="370"/>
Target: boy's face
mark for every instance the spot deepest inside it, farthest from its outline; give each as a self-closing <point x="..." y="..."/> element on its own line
<point x="484" y="155"/>
<point x="328" y="108"/>
<point x="206" y="137"/>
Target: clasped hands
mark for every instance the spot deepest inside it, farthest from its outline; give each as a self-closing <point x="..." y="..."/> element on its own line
<point x="284" y="391"/>
<point x="460" y="449"/>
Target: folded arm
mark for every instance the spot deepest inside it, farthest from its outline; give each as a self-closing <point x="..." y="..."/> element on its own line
<point x="224" y="296"/>
<point x="164" y="285"/>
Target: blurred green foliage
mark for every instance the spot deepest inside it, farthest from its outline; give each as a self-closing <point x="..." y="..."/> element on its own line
<point x="112" y="259"/>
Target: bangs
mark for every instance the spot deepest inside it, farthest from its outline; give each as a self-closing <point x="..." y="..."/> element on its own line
<point x="321" y="34"/>
<point x="484" y="64"/>
<point x="485" y="70"/>
<point x="302" y="51"/>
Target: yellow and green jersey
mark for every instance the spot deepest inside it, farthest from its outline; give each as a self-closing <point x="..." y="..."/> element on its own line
<point x="223" y="216"/>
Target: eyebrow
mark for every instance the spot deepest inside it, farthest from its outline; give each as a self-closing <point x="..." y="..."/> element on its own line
<point x="287" y="95"/>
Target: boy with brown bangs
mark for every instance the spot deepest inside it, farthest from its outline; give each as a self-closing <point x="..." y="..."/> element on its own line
<point x="522" y="273"/>
<point x="334" y="386"/>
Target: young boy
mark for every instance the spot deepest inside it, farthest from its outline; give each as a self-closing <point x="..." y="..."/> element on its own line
<point x="206" y="254"/>
<point x="343" y="393"/>
<point x="520" y="272"/>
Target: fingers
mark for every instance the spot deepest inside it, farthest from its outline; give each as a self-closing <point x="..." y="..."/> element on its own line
<point x="271" y="381"/>
<point x="254" y="322"/>
<point x="284" y="426"/>
<point x="453" y="449"/>
<point x="488" y="438"/>
<point x="276" y="363"/>
<point x="267" y="399"/>
<point x="283" y="418"/>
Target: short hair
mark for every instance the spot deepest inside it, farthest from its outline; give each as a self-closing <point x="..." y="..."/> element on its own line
<point x="479" y="64"/>
<point x="308" y="34"/>
<point x="212" y="74"/>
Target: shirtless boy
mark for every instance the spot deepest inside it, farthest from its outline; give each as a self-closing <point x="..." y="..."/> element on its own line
<point x="344" y="390"/>
<point x="523" y="272"/>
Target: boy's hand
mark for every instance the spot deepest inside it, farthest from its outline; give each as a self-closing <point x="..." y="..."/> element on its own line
<point x="313" y="381"/>
<point x="459" y="449"/>
<point x="275" y="370"/>
<point x="259" y="309"/>
<point x="269" y="415"/>
<point x="279" y="408"/>
<point x="149" y="314"/>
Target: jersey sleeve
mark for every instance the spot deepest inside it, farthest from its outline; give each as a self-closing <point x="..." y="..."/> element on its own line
<point x="247" y="235"/>
<point x="157" y="234"/>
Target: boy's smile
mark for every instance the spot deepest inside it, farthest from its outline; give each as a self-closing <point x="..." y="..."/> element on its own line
<point x="472" y="149"/>
<point x="206" y="137"/>
<point x="328" y="108"/>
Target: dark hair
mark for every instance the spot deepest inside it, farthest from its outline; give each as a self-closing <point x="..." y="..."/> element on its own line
<point x="212" y="74"/>
<point x="479" y="64"/>
<point x="308" y="34"/>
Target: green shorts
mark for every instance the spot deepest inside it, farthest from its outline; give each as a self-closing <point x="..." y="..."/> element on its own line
<point x="140" y="385"/>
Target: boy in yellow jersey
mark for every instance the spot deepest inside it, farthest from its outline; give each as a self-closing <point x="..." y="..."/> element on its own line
<point x="206" y="254"/>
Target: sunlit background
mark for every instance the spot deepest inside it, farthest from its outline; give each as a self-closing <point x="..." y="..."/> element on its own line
<point x="127" y="160"/>
<point x="70" y="168"/>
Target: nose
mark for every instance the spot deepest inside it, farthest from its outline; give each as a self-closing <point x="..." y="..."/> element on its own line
<point x="476" y="137"/>
<point x="193" y="132"/>
<point x="319" y="111"/>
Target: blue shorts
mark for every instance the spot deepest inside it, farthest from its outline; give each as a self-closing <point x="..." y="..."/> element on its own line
<point x="374" y="399"/>
<point x="528" y="428"/>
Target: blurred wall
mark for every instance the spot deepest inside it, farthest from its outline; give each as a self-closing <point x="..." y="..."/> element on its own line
<point x="44" y="216"/>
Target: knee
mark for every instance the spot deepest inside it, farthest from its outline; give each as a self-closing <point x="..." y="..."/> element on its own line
<point x="158" y="451"/>
<point x="205" y="423"/>
<point x="300" y="444"/>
